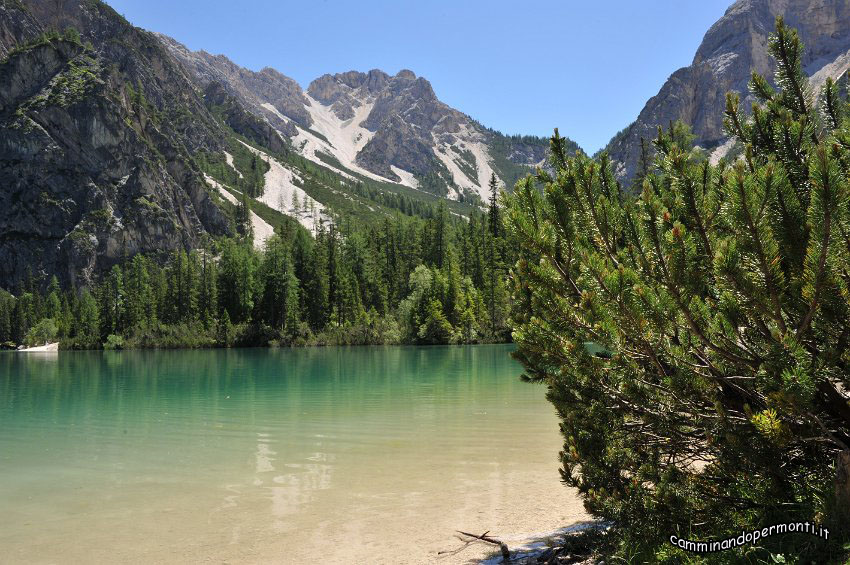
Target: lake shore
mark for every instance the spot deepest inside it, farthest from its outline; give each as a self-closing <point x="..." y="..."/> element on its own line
<point x="46" y="348"/>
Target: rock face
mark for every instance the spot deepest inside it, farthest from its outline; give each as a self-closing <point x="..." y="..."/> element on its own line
<point x="229" y="109"/>
<point x="15" y="25"/>
<point x="96" y="131"/>
<point x="267" y="93"/>
<point x="732" y="48"/>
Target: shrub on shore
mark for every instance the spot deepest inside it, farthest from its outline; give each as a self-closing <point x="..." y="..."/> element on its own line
<point x="720" y="296"/>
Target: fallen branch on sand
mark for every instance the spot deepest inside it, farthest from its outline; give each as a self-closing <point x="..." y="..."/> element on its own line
<point x="506" y="553"/>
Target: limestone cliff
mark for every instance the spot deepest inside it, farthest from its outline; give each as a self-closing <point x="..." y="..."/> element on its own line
<point x="97" y="126"/>
<point x="732" y="48"/>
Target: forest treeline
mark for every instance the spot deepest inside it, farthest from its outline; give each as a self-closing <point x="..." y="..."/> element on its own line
<point x="436" y="279"/>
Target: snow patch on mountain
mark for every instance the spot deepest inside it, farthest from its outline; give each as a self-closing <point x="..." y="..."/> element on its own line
<point x="485" y="170"/>
<point x="450" y="154"/>
<point x="344" y="139"/>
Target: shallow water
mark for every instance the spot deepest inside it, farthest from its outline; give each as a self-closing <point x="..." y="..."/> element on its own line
<point x="339" y="455"/>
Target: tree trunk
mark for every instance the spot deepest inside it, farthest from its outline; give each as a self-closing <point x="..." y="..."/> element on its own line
<point x="842" y="482"/>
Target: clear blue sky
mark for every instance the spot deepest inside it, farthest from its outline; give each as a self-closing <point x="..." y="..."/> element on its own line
<point x="520" y="67"/>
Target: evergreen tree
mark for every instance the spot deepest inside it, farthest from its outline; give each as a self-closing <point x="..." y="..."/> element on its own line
<point x="141" y="310"/>
<point x="694" y="338"/>
<point x="280" y="286"/>
<point x="112" y="302"/>
<point x="208" y="292"/>
<point x="87" y="328"/>
<point x="644" y="163"/>
<point x="53" y="304"/>
<point x="243" y="218"/>
<point x="225" y="330"/>
<point x="192" y="286"/>
<point x="237" y="281"/>
<point x="7" y="306"/>
<point x="316" y="287"/>
<point x="494" y="219"/>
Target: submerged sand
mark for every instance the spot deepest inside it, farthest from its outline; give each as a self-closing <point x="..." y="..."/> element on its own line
<point x="348" y="456"/>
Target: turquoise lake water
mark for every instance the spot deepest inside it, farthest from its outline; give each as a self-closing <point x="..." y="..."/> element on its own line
<point x="353" y="455"/>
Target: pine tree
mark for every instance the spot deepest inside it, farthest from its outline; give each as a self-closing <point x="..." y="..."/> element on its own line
<point x="225" y="330"/>
<point x="140" y="307"/>
<point x="333" y="271"/>
<point x="88" y="321"/>
<point x="208" y="292"/>
<point x="237" y="280"/>
<point x="316" y="287"/>
<point x="7" y="305"/>
<point x="243" y="218"/>
<point x="53" y="304"/>
<point x="644" y="164"/>
<point x="494" y="219"/>
<point x="694" y="339"/>
<point x="112" y="302"/>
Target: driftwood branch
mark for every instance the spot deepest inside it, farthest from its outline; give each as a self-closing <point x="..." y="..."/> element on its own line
<point x="506" y="553"/>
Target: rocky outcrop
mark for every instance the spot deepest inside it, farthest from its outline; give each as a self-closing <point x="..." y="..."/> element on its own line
<point x="16" y="25"/>
<point x="96" y="137"/>
<point x="735" y="46"/>
<point x="230" y="111"/>
<point x="346" y="92"/>
<point x="267" y="93"/>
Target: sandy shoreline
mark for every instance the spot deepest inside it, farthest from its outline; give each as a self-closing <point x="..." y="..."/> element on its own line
<point x="48" y="348"/>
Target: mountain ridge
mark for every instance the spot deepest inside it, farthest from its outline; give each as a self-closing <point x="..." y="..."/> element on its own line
<point x="731" y="49"/>
<point x="402" y="134"/>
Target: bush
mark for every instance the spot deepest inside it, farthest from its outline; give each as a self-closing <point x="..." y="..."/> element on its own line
<point x="45" y="331"/>
<point x="694" y="339"/>
<point x="114" y="342"/>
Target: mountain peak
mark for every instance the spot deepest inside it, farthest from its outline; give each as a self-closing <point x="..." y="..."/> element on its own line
<point x="406" y="74"/>
<point x="731" y="49"/>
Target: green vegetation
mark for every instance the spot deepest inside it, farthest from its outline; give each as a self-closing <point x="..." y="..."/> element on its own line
<point x="720" y="298"/>
<point x="73" y="83"/>
<point x="48" y="37"/>
<point x="437" y="180"/>
<point x="437" y="279"/>
<point x="467" y="163"/>
<point x="247" y="173"/>
<point x="503" y="147"/>
<point x="365" y="200"/>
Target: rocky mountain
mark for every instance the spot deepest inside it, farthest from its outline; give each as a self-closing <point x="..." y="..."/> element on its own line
<point x="732" y="48"/>
<point x="115" y="141"/>
<point x="96" y="128"/>
<point x="387" y="128"/>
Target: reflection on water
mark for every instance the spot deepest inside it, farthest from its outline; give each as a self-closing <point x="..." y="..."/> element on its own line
<point x="246" y="455"/>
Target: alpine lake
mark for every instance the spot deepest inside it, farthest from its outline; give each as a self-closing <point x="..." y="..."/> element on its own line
<point x="312" y="455"/>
